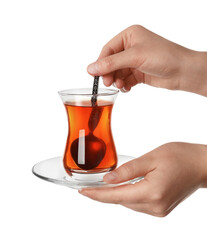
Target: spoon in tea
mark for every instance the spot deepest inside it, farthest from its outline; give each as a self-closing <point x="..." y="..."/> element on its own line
<point x="88" y="151"/>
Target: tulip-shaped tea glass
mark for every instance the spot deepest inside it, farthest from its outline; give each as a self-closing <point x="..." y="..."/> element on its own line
<point x="90" y="151"/>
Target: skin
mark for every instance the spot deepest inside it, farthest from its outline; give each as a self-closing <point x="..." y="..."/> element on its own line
<point x="138" y="55"/>
<point x="173" y="171"/>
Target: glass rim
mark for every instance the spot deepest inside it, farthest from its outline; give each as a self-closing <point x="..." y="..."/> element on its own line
<point x="77" y="92"/>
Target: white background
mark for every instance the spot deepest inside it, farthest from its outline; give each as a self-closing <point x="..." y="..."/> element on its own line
<point x="45" y="46"/>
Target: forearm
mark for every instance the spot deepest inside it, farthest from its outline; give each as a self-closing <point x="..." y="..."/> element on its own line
<point x="194" y="72"/>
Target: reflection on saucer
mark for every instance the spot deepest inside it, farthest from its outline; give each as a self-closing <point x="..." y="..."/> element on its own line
<point x="52" y="170"/>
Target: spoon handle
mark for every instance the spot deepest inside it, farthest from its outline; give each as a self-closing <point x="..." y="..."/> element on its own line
<point x="94" y="117"/>
<point x="95" y="91"/>
<point x="96" y="111"/>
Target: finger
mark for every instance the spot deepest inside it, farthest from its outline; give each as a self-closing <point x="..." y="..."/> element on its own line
<point x="130" y="81"/>
<point x="122" y="73"/>
<point x="120" y="79"/>
<point x="115" y="45"/>
<point x="121" y="60"/>
<point x="124" y="90"/>
<point x="128" y="193"/>
<point x="118" y="83"/>
<point x="127" y="88"/>
<point x="138" y="76"/>
<point x="130" y="170"/>
<point x="108" y="80"/>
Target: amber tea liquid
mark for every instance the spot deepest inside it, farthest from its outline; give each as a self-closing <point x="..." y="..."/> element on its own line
<point x="99" y="151"/>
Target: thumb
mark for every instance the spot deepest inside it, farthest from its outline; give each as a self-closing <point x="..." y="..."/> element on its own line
<point x="130" y="170"/>
<point x="111" y="63"/>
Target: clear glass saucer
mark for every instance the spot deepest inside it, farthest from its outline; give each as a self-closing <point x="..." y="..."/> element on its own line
<point x="52" y="170"/>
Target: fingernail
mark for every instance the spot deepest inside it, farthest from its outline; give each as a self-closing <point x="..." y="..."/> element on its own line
<point x="124" y="90"/>
<point x="110" y="177"/>
<point x="93" y="68"/>
<point x="81" y="191"/>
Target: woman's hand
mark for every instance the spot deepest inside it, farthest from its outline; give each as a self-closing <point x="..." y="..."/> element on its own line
<point x="138" y="55"/>
<point x="171" y="173"/>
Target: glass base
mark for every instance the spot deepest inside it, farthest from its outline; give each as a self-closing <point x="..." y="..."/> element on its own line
<point x="90" y="176"/>
<point x="52" y="170"/>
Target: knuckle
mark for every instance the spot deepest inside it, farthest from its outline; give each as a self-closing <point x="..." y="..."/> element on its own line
<point x="159" y="210"/>
<point x="107" y="49"/>
<point x="136" y="27"/>
<point x="126" y="171"/>
<point x="163" y="151"/>
<point x="170" y="145"/>
<point x="116" y="200"/>
<point x="157" y="197"/>
<point x="106" y="63"/>
<point x="168" y="149"/>
<point x="104" y="50"/>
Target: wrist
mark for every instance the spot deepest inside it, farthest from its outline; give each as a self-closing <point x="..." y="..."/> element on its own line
<point x="194" y="72"/>
<point x="204" y="165"/>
